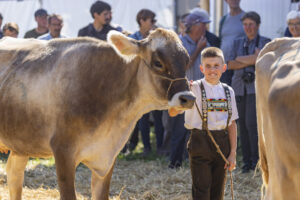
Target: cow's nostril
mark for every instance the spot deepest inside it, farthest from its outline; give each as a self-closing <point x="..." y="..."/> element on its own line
<point x="187" y="101"/>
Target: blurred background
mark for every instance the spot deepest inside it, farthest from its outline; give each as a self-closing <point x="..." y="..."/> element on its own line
<point x="76" y="13"/>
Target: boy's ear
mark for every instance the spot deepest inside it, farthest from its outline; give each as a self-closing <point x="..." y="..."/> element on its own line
<point x="201" y="68"/>
<point x="224" y="67"/>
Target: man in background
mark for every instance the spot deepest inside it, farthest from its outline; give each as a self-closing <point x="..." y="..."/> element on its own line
<point x="146" y="21"/>
<point x="231" y="28"/>
<point x="194" y="41"/>
<point x="11" y="29"/>
<point x="42" y="28"/>
<point x="55" y="24"/>
<point x="101" y="13"/>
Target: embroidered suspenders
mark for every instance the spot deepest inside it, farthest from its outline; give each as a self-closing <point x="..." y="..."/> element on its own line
<point x="216" y="105"/>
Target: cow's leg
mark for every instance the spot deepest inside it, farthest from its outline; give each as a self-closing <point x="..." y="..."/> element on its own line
<point x="65" y="170"/>
<point x="15" y="175"/>
<point x="100" y="185"/>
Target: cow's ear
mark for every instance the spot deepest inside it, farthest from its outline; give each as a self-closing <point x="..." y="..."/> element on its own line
<point x="126" y="47"/>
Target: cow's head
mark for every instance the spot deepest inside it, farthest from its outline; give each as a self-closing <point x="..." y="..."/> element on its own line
<point x="163" y="60"/>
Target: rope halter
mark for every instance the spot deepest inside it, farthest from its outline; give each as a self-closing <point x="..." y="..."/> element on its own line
<point x="165" y="76"/>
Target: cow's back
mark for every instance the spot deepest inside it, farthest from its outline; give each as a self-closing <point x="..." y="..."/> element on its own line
<point x="278" y="111"/>
<point x="43" y="84"/>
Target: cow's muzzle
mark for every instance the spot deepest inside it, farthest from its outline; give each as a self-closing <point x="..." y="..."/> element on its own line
<point x="187" y="101"/>
<point x="182" y="100"/>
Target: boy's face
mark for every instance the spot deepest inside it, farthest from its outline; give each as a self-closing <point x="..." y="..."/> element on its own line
<point x="212" y="68"/>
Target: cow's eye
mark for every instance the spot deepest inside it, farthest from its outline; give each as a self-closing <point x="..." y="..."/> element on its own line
<point x="158" y="64"/>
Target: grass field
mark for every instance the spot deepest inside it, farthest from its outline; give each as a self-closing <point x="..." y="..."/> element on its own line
<point x="134" y="178"/>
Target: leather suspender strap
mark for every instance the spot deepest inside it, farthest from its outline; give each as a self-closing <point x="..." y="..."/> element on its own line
<point x="204" y="106"/>
<point x="229" y="105"/>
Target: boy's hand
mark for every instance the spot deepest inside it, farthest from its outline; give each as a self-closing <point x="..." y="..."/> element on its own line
<point x="232" y="162"/>
<point x="173" y="112"/>
<point x="4" y="151"/>
<point x="201" y="44"/>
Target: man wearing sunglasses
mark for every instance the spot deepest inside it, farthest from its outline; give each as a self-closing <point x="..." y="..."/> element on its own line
<point x="11" y="29"/>
<point x="146" y="21"/>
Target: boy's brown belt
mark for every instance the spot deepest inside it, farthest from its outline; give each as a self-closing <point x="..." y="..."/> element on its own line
<point x="224" y="131"/>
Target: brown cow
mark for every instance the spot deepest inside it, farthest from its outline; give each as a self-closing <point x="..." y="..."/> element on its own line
<point x="79" y="99"/>
<point x="278" y="115"/>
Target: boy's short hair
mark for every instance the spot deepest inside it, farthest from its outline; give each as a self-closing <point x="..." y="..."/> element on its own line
<point x="98" y="7"/>
<point x="211" y="52"/>
<point x="144" y="14"/>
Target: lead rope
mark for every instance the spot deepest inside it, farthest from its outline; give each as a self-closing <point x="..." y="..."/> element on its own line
<point x="218" y="149"/>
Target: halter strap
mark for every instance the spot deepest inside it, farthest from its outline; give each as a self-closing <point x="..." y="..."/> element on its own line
<point x="165" y="76"/>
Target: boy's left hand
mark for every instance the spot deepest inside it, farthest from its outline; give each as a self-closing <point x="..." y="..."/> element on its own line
<point x="232" y="162"/>
<point x="174" y="112"/>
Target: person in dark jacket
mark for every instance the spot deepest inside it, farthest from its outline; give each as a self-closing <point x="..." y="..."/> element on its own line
<point x="101" y="13"/>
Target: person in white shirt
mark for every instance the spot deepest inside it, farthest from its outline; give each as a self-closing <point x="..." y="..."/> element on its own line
<point x="55" y="24"/>
<point x="216" y="111"/>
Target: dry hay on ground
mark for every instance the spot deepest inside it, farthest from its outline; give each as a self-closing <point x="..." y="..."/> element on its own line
<point x="142" y="180"/>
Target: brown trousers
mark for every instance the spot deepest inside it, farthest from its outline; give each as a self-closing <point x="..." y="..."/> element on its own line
<point x="207" y="166"/>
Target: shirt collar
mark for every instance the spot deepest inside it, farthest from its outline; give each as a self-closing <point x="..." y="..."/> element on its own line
<point x="139" y="35"/>
<point x="251" y="41"/>
<point x="209" y="84"/>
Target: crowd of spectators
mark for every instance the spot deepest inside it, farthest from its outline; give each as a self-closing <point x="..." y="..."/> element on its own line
<point x="239" y="39"/>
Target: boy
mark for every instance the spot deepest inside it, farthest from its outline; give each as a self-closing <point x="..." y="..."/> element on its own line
<point x="216" y="102"/>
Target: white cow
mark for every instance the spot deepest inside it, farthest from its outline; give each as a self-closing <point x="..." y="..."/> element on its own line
<point x="278" y="115"/>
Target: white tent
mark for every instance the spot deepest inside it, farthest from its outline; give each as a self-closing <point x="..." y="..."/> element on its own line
<point x="76" y="13"/>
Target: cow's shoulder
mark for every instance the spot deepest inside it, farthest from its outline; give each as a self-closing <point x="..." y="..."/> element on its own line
<point x="9" y="43"/>
<point x="276" y="53"/>
<point x="276" y="44"/>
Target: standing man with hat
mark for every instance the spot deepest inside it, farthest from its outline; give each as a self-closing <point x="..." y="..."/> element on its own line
<point x="41" y="18"/>
<point x="195" y="40"/>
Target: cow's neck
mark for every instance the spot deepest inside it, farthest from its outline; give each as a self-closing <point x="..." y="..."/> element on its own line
<point x="114" y="132"/>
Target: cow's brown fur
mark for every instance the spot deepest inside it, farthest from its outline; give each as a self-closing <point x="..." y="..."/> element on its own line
<point x="78" y="100"/>
<point x="278" y="86"/>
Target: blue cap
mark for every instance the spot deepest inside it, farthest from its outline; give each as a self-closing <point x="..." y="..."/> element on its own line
<point x="196" y="17"/>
